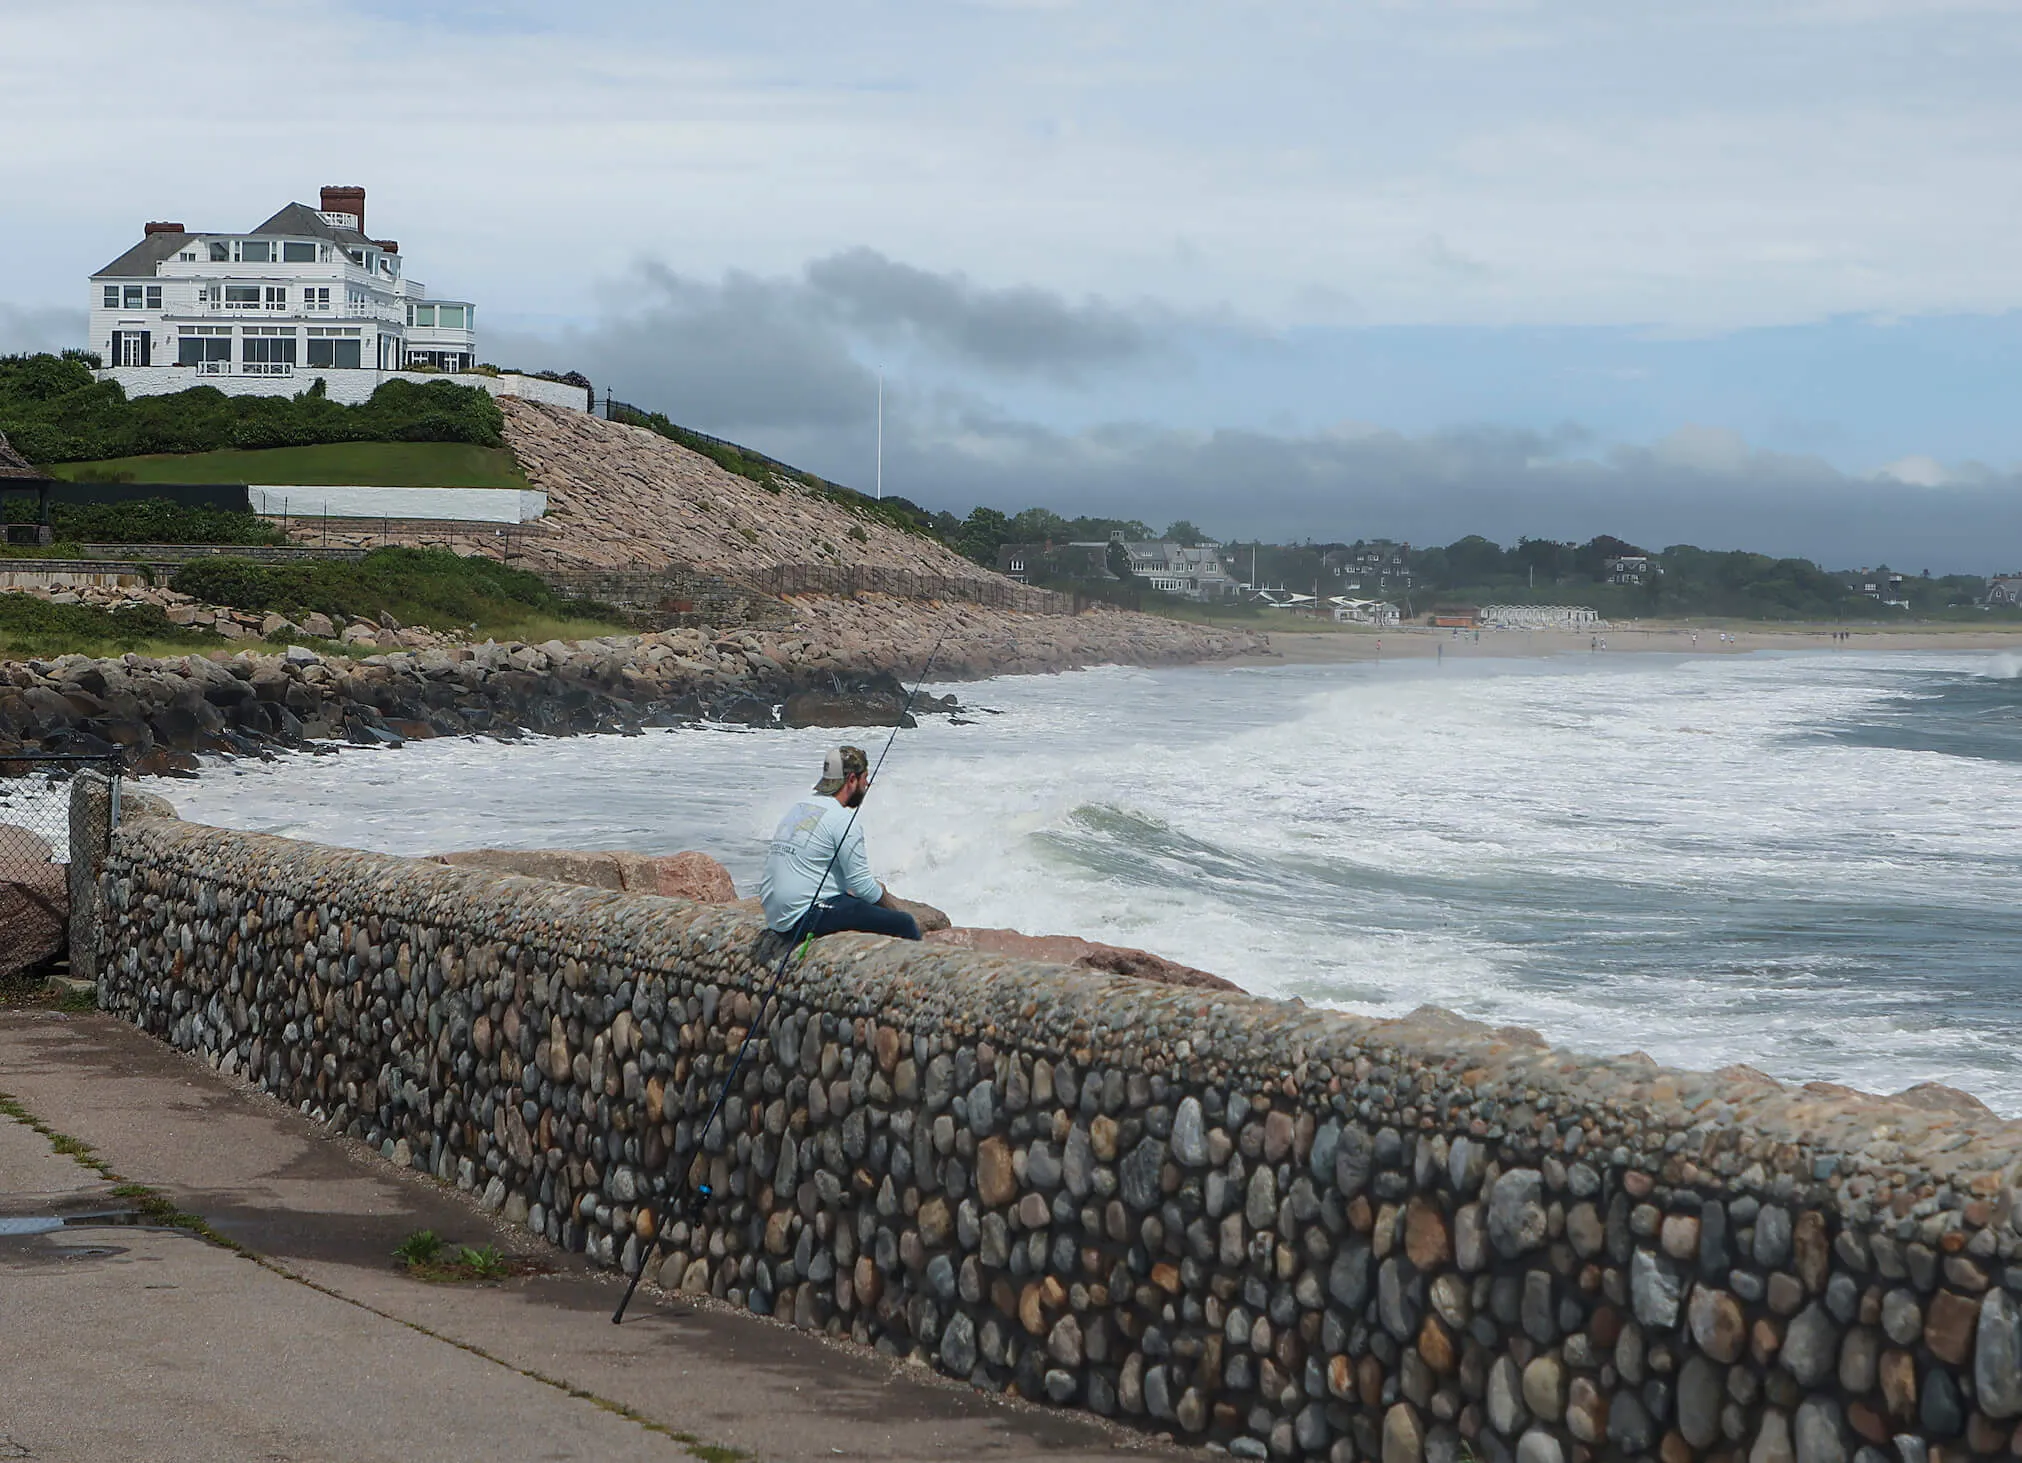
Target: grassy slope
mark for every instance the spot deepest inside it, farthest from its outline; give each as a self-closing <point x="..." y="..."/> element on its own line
<point x="334" y="464"/>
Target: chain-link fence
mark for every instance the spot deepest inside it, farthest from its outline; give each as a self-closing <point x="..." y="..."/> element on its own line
<point x="35" y="853"/>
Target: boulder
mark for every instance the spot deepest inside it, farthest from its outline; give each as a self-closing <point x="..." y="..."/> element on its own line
<point x="929" y="919"/>
<point x="692" y="876"/>
<point x="20" y="845"/>
<point x="846" y="708"/>
<point x="34" y="911"/>
<point x="689" y="875"/>
<point x="1088" y="954"/>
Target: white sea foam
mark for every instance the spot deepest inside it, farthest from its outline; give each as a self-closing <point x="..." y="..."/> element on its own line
<point x="1686" y="857"/>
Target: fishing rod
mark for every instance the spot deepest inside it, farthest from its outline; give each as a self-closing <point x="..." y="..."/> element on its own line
<point x="797" y="944"/>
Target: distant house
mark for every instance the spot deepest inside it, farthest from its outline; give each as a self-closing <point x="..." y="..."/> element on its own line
<point x="1630" y="569"/>
<point x="1378" y="564"/>
<point x="1195" y="572"/>
<point x="307" y="294"/>
<point x="19" y="475"/>
<point x="1349" y="611"/>
<point x="1458" y="617"/>
<point x="1884" y="585"/>
<point x="1030" y="563"/>
<point x="2004" y="589"/>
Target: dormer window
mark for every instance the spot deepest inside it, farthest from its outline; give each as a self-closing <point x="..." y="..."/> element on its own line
<point x="256" y="251"/>
<point x="221" y="252"/>
<point x="294" y="253"/>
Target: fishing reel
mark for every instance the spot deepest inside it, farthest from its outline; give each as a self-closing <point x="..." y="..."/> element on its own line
<point x="698" y="1200"/>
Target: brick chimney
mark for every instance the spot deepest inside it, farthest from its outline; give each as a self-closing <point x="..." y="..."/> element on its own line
<point x="164" y="228"/>
<point x="346" y="200"/>
<point x="391" y="246"/>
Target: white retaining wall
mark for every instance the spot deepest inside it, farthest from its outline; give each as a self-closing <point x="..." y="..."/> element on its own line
<point x="347" y="387"/>
<point x="470" y="505"/>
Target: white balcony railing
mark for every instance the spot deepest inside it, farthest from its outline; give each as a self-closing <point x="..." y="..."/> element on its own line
<point x="266" y="368"/>
<point x="214" y="368"/>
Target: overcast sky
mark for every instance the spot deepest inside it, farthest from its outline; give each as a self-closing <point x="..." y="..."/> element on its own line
<point x="1741" y="274"/>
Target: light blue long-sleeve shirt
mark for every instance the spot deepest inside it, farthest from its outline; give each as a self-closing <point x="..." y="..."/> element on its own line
<point x="801" y="852"/>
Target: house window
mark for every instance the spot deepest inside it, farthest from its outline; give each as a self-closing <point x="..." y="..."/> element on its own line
<point x="256" y="251"/>
<point x="316" y="297"/>
<point x="340" y="354"/>
<point x="277" y="297"/>
<point x="298" y="253"/>
<point x="221" y="253"/>
<point x="242" y="297"/>
<point x="451" y="316"/>
<point x="268" y="355"/>
<point x="423" y="315"/>
<point x="154" y="297"/>
<point x="112" y="297"/>
<point x="204" y="350"/>
<point x="135" y="300"/>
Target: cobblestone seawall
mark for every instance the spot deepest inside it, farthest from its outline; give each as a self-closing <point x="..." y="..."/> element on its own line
<point x="1289" y="1232"/>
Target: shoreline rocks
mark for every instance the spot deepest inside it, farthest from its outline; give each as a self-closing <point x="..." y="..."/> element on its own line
<point x="161" y="714"/>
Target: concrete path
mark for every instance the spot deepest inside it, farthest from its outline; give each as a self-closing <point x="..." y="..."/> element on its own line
<point x="119" y="1340"/>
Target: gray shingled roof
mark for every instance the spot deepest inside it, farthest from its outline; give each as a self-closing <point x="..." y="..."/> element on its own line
<point x="16" y="468"/>
<point x="305" y="222"/>
<point x="297" y="220"/>
<point x="139" y="261"/>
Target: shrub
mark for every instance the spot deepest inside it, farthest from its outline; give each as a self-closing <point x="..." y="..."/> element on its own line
<point x="54" y="411"/>
<point x="415" y="586"/>
<point x="146" y="521"/>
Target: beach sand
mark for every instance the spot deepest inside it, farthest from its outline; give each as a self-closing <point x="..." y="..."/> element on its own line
<point x="1329" y="646"/>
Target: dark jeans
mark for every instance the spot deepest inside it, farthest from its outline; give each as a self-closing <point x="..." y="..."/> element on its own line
<point x="847" y="912"/>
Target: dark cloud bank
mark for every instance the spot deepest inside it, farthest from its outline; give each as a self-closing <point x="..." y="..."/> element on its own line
<point x="778" y="363"/>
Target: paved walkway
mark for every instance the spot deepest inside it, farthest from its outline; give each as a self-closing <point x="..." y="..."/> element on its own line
<point x="124" y="1341"/>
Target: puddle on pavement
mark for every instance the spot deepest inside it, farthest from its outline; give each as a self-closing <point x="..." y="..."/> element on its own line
<point x="19" y="1226"/>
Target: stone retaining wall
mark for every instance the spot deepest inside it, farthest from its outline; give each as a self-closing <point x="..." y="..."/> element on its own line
<point x="1289" y="1232"/>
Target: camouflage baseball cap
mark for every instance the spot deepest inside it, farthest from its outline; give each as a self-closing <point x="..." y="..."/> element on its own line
<point x="841" y="764"/>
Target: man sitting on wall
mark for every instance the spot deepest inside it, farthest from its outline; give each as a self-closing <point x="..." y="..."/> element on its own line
<point x="817" y="859"/>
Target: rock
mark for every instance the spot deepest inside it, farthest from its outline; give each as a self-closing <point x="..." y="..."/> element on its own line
<point x="1403" y="1436"/>
<point x="1655" y="1288"/>
<point x="1701" y="1394"/>
<point x="1811" y="1346"/>
<point x="1859" y="1358"/>
<point x="1717" y="1323"/>
<point x="1544" y="1383"/>
<point x="847" y="709"/>
<point x="689" y="875"/>
<point x="20" y="845"/>
<point x="1516" y="1212"/>
<point x="1772" y="1236"/>
<point x="1189" y="1134"/>
<point x="958" y="1345"/>
<point x="1679" y="1237"/>
<point x="34" y="908"/>
<point x="1425" y="1238"/>
<point x="1772" y="1439"/>
<point x="1348" y="1276"/>
<point x="1997" y="1356"/>
<point x="1539" y="1446"/>
<point x="1507" y="1410"/>
<point x="996" y="1182"/>
<point x="1087" y="954"/>
<point x="1902" y="1317"/>
<point x="1942" y="1411"/>
<point x="1949" y="1326"/>
<point x="1629" y="1425"/>
<point x="1898" y="1376"/>
<point x="1138" y="1174"/>
<point x="1820" y="1433"/>
<point x="1586" y="1411"/>
<point x="928" y="918"/>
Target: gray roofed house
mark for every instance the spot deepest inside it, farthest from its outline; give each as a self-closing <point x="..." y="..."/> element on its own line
<point x="142" y="260"/>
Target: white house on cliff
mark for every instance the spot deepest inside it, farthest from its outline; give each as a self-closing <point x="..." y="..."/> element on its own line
<point x="306" y="295"/>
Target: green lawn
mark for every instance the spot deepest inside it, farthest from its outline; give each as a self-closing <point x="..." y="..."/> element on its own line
<point x="335" y="464"/>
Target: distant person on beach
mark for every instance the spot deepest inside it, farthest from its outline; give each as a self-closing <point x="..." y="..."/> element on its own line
<point x="817" y="860"/>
